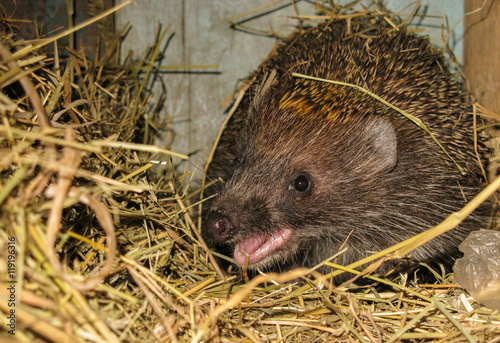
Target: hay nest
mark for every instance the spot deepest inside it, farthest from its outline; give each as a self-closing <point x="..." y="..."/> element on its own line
<point x="99" y="246"/>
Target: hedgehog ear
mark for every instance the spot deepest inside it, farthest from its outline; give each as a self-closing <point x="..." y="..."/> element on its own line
<point x="381" y="144"/>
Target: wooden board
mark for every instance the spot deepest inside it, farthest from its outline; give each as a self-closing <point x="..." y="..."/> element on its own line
<point x="482" y="51"/>
<point x="51" y="16"/>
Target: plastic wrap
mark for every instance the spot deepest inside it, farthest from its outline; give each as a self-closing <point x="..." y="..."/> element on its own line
<point x="479" y="270"/>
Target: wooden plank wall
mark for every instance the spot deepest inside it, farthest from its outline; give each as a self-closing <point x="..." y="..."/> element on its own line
<point x="482" y="51"/>
<point x="49" y="16"/>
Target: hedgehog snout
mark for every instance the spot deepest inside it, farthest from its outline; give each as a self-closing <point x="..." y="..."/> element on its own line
<point x="218" y="227"/>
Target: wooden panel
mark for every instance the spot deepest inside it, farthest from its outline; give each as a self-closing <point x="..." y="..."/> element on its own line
<point x="44" y="16"/>
<point x="482" y="51"/>
<point x="50" y="16"/>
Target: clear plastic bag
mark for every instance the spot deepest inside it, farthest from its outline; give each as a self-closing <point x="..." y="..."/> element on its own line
<point x="479" y="270"/>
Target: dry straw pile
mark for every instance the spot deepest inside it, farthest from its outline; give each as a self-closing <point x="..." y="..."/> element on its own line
<point x="98" y="247"/>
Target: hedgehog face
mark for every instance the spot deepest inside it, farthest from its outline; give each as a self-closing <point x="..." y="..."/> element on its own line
<point x="285" y="200"/>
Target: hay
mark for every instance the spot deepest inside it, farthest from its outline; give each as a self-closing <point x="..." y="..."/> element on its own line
<point x="99" y="246"/>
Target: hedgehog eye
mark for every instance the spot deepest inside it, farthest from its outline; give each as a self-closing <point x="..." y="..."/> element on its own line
<point x="301" y="183"/>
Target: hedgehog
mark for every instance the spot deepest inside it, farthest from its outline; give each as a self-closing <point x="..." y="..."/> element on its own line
<point x="310" y="167"/>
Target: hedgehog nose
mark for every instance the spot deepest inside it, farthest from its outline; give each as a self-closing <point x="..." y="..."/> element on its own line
<point x="218" y="227"/>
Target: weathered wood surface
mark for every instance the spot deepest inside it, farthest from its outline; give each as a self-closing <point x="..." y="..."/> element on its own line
<point x="482" y="51"/>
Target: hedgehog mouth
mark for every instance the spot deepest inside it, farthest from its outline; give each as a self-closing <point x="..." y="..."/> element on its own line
<point x="260" y="246"/>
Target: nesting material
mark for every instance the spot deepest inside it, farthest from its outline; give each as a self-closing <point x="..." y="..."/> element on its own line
<point x="100" y="246"/>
